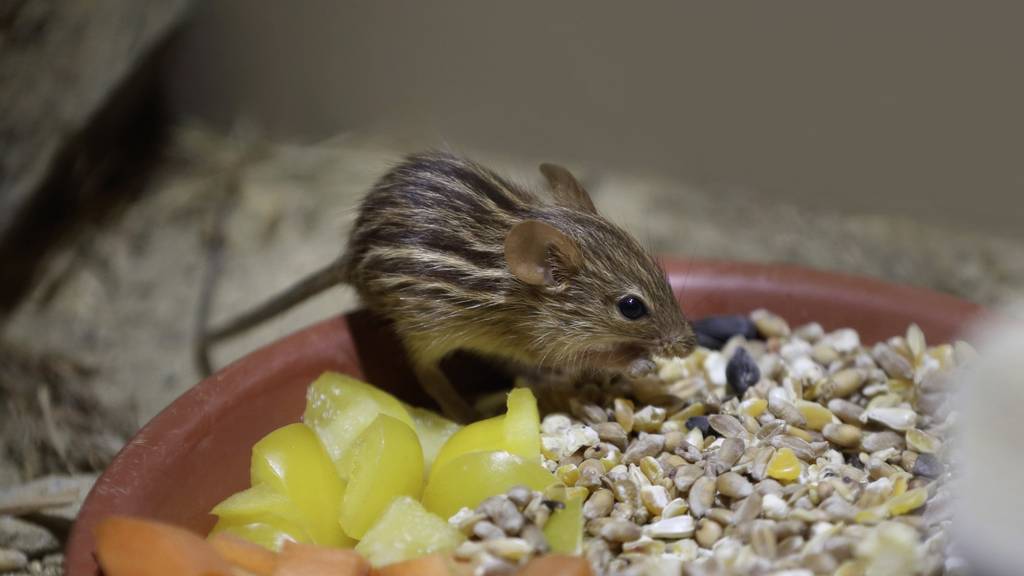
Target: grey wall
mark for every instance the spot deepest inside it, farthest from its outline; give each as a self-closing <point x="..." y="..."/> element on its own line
<point x="907" y="107"/>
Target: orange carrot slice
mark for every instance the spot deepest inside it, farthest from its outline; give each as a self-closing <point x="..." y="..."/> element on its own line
<point x="556" y="565"/>
<point x="433" y="565"/>
<point x="250" y="557"/>
<point x="311" y="560"/>
<point x="129" y="546"/>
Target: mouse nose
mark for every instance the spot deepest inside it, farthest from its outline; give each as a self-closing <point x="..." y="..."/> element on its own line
<point x="680" y="345"/>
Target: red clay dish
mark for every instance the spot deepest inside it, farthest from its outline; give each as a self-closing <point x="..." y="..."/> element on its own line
<point x="197" y="450"/>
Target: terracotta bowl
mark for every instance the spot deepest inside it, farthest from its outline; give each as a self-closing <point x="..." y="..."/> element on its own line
<point x="196" y="451"/>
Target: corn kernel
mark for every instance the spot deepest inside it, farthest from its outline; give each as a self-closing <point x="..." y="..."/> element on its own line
<point x="919" y="441"/>
<point x="816" y="415"/>
<point x="576" y="492"/>
<point x="651" y="468"/>
<point x="872" y="515"/>
<point x="784" y="465"/>
<point x="695" y="409"/>
<point x="943" y="353"/>
<point x="908" y="501"/>
<point x="568" y="474"/>
<point x="899" y="486"/>
<point x="799" y="433"/>
<point x="611" y="460"/>
<point x="754" y="406"/>
<point x="851" y="568"/>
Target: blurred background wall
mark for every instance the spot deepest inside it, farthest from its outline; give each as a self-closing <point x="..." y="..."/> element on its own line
<point x="910" y="108"/>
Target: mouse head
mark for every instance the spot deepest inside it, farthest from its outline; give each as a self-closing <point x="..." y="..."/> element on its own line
<point x="597" y="298"/>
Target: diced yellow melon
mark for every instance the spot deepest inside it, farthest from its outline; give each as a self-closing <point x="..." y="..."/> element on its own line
<point x="470" y="478"/>
<point x="253" y="504"/>
<point x="564" y="530"/>
<point x="522" y="424"/>
<point x="340" y="407"/>
<point x="387" y="462"/>
<point x="292" y="461"/>
<point x="433" y="431"/>
<point x="271" y="534"/>
<point x="406" y="531"/>
<point x="481" y="436"/>
<point x="517" y="431"/>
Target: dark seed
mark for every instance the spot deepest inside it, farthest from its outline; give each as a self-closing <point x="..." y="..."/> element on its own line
<point x="719" y="329"/>
<point x="741" y="372"/>
<point x="711" y="343"/>
<point x="928" y="465"/>
<point x="554" y="504"/>
<point x="701" y="423"/>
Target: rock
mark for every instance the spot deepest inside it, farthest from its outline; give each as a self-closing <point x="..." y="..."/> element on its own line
<point x="27" y="537"/>
<point x="58" y="497"/>
<point x="11" y="560"/>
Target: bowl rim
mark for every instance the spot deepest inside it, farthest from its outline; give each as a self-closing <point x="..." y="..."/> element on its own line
<point x="797" y="281"/>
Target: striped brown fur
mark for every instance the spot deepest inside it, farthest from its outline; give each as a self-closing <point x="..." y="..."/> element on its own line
<point x="427" y="252"/>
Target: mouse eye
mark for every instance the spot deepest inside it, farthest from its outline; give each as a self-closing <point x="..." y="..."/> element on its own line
<point x="632" y="307"/>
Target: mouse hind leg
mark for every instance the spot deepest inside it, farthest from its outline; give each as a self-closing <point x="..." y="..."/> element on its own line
<point x="439" y="387"/>
<point x="425" y="356"/>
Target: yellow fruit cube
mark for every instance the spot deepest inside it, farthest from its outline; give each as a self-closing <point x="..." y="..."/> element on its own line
<point x="261" y="515"/>
<point x="291" y="461"/>
<point x="481" y="436"/>
<point x="271" y="534"/>
<point x="387" y="462"/>
<point x="340" y="407"/>
<point x="406" y="531"/>
<point x="433" y="431"/>
<point x="517" y="431"/>
<point x="469" y="479"/>
<point x="564" y="530"/>
<point x="522" y="424"/>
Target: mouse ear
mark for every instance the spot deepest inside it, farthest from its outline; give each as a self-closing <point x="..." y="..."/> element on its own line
<point x="540" y="254"/>
<point x="566" y="189"/>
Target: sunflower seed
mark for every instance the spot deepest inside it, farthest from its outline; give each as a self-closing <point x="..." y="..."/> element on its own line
<point x="702" y="496"/>
<point x="894" y="364"/>
<point x="845" y="435"/>
<point x="922" y="441"/>
<point x="734" y="485"/>
<point x="748" y="509"/>
<point x="644" y="445"/>
<point x="726" y="456"/>
<point x="648" y="418"/>
<point x="916" y="342"/>
<point x="486" y="530"/>
<point x="762" y="539"/>
<point x="613" y="433"/>
<point x="896" y="418"/>
<point x="685" y="476"/>
<point x="616" y="530"/>
<point x="768" y="324"/>
<point x="513" y="549"/>
<point x="843" y="383"/>
<point x="654" y="498"/>
<point x="727" y="426"/>
<point x="846" y="411"/>
<point x="675" y="527"/>
<point x="599" y="504"/>
<point x="785" y="410"/>
<point x="708" y="532"/>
